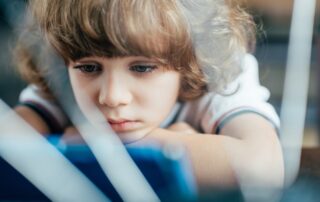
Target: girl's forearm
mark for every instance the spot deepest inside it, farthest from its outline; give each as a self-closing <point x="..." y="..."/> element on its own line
<point x="222" y="161"/>
<point x="208" y="155"/>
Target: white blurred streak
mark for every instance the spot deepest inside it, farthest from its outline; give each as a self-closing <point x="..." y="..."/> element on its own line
<point x="37" y="160"/>
<point x="294" y="102"/>
<point x="115" y="161"/>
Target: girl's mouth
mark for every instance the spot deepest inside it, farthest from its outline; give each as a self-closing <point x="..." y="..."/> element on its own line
<point x="122" y="125"/>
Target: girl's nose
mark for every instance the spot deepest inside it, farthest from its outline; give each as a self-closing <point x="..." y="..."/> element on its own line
<point x="114" y="92"/>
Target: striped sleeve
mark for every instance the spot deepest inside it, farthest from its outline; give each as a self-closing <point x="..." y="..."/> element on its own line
<point x="48" y="110"/>
<point x="244" y="95"/>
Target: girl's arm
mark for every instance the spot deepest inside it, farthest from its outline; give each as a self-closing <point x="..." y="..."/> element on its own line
<point x="247" y="152"/>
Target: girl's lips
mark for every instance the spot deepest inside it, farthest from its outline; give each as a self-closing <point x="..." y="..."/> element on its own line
<point x="111" y="121"/>
<point x="124" y="125"/>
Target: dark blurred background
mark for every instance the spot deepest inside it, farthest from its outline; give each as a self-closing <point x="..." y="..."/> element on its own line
<point x="273" y="20"/>
<point x="11" y="20"/>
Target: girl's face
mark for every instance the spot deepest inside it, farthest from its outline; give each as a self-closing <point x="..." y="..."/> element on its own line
<point x="135" y="94"/>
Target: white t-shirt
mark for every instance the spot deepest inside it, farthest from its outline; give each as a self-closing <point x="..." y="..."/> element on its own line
<point x="206" y="114"/>
<point x="244" y="95"/>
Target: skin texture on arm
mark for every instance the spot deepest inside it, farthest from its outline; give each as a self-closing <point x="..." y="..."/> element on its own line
<point x="246" y="153"/>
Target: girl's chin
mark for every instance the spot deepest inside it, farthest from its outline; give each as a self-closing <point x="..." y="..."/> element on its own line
<point x="134" y="136"/>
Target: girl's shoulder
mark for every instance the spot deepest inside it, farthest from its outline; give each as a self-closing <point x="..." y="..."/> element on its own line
<point x="48" y="109"/>
<point x="243" y="95"/>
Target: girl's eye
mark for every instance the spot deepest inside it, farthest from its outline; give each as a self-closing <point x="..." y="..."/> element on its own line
<point x="89" y="68"/>
<point x="143" y="68"/>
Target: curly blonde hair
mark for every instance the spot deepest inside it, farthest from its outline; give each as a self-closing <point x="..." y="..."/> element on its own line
<point x="204" y="40"/>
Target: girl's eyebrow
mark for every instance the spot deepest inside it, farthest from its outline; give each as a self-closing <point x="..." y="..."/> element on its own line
<point x="86" y="60"/>
<point x="83" y="62"/>
<point x="130" y="60"/>
<point x="139" y="58"/>
<point x="144" y="61"/>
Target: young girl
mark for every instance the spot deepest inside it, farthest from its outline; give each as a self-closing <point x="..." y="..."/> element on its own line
<point x="166" y="71"/>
